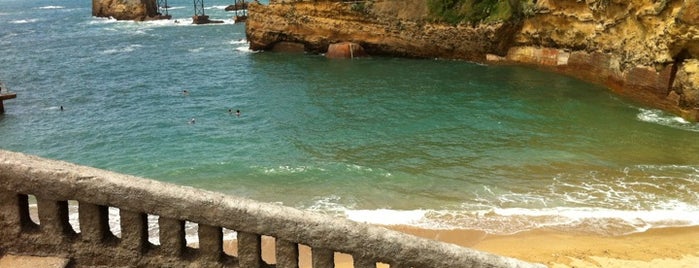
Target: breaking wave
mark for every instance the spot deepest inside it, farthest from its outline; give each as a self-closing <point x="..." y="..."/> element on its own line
<point x="24" y="21"/>
<point x="52" y="7"/>
<point x="665" y="119"/>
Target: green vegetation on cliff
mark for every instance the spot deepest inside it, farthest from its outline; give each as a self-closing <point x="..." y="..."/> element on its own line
<point x="477" y="11"/>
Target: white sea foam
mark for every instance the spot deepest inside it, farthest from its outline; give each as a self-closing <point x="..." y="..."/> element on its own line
<point x="140" y="27"/>
<point x="245" y="49"/>
<point x="127" y="49"/>
<point x="239" y="42"/>
<point x="99" y="20"/>
<point x="513" y="220"/>
<point x="665" y="119"/>
<point x="289" y="169"/>
<point x="24" y="21"/>
<point x="241" y="45"/>
<point x="216" y="7"/>
<point x="387" y="217"/>
<point x="329" y="205"/>
<point x="52" y="7"/>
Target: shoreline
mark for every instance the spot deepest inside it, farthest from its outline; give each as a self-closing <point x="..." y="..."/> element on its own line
<point x="670" y="247"/>
<point x="659" y="247"/>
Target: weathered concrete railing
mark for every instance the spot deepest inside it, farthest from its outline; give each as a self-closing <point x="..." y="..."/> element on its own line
<point x="54" y="183"/>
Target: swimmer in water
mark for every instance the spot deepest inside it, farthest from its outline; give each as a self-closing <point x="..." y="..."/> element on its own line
<point x="237" y="113"/>
<point x="192" y="121"/>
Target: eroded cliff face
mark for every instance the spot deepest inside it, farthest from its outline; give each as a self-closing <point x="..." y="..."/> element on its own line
<point x="377" y="27"/>
<point x="641" y="48"/>
<point x="126" y="9"/>
<point x="644" y="49"/>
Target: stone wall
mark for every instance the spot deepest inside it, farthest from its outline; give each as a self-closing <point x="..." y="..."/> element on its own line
<point x="55" y="183"/>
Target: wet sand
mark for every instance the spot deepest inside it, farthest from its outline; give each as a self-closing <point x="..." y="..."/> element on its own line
<point x="665" y="247"/>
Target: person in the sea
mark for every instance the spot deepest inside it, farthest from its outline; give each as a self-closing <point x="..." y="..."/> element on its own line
<point x="185" y="92"/>
<point x="61" y="107"/>
<point x="192" y="121"/>
<point x="237" y="113"/>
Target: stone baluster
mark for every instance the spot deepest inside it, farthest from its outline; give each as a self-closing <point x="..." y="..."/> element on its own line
<point x="172" y="237"/>
<point x="322" y="258"/>
<point x="210" y="242"/>
<point x="363" y="262"/>
<point x="14" y="213"/>
<point x="53" y="219"/>
<point x="249" y="250"/>
<point x="94" y="223"/>
<point x="134" y="231"/>
<point x="287" y="253"/>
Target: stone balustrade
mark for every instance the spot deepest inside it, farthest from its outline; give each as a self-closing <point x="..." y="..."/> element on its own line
<point x="55" y="183"/>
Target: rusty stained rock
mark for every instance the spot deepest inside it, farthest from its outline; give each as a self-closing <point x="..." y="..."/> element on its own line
<point x="345" y="50"/>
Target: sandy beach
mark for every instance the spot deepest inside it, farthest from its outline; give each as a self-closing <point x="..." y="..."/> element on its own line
<point x="665" y="247"/>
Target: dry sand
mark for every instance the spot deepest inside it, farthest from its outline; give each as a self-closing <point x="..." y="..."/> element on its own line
<point x="666" y="247"/>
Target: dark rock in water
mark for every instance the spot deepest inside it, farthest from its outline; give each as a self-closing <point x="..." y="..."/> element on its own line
<point x="138" y="10"/>
<point x="204" y="20"/>
<point x="237" y="6"/>
<point x="345" y="50"/>
<point x="290" y="47"/>
<point x="237" y="19"/>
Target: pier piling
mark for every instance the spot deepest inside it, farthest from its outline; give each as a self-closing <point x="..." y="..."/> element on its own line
<point x="3" y="97"/>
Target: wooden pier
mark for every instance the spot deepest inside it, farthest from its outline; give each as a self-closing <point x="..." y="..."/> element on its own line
<point x="3" y="97"/>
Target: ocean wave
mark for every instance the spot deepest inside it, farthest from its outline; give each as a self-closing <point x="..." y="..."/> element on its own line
<point x="127" y="49"/>
<point x="242" y="45"/>
<point x="245" y="49"/>
<point x="24" y="21"/>
<point x="52" y="7"/>
<point x="239" y="42"/>
<point x="101" y="20"/>
<point x="662" y="118"/>
<point x="329" y="205"/>
<point x="216" y="7"/>
<point x="503" y="221"/>
<point x="289" y="169"/>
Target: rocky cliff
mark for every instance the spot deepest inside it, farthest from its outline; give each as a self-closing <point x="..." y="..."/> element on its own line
<point x="126" y="9"/>
<point x="644" y="49"/>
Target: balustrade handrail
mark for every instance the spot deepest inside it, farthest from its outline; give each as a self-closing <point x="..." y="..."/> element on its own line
<point x="27" y="174"/>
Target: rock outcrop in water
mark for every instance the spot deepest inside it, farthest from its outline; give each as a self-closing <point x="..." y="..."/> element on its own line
<point x="643" y="49"/>
<point x="345" y="50"/>
<point x="127" y="9"/>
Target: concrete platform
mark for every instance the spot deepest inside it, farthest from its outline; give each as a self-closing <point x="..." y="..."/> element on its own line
<point x="20" y="261"/>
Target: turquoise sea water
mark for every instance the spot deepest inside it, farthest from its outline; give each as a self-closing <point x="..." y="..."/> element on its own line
<point x="431" y="143"/>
